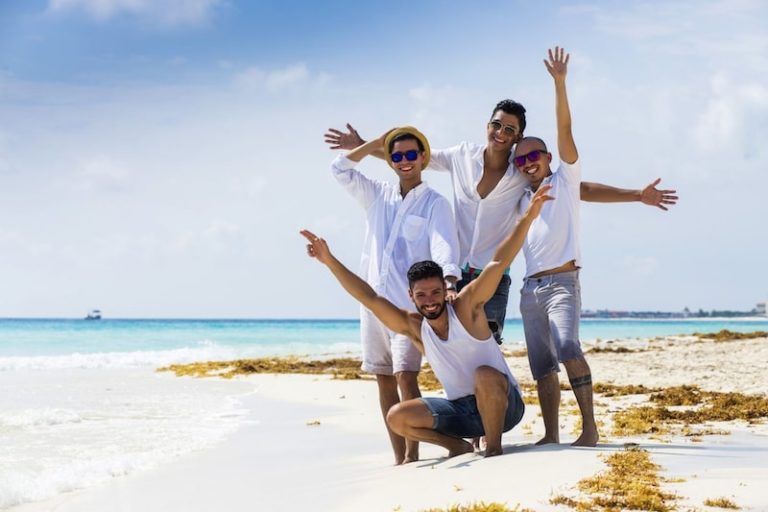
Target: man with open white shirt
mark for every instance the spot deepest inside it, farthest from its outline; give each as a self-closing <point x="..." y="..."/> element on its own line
<point x="405" y="223"/>
<point x="550" y="301"/>
<point x="487" y="189"/>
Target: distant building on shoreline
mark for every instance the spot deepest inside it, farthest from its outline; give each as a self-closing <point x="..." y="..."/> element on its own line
<point x="759" y="310"/>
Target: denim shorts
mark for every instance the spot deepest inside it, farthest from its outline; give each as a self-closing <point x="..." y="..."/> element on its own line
<point x="460" y="417"/>
<point x="550" y="307"/>
<point x="496" y="308"/>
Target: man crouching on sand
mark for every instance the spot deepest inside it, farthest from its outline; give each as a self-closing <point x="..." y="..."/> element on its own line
<point x="482" y="396"/>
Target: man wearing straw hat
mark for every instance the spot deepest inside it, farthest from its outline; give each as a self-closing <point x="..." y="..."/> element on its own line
<point x="406" y="222"/>
<point x="487" y="189"/>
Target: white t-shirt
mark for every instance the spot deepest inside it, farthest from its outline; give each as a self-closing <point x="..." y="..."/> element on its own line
<point x="553" y="238"/>
<point x="455" y="360"/>
<point x="482" y="223"/>
<point x="400" y="231"/>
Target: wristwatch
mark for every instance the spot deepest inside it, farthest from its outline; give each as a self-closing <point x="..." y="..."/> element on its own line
<point x="449" y="286"/>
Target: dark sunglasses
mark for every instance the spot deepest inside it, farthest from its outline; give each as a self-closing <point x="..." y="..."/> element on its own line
<point x="533" y="156"/>
<point x="509" y="130"/>
<point x="410" y="155"/>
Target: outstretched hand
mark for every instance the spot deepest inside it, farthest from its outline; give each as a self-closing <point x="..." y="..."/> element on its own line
<point x="557" y="65"/>
<point x="652" y="196"/>
<point x="317" y="247"/>
<point x="539" y="198"/>
<point x="341" y="140"/>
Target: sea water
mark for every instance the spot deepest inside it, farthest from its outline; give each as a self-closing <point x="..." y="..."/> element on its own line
<point x="81" y="402"/>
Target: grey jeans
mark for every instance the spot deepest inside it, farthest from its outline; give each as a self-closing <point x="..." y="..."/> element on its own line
<point x="550" y="307"/>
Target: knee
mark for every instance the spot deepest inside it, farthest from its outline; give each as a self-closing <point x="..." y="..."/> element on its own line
<point x="396" y="418"/>
<point x="489" y="379"/>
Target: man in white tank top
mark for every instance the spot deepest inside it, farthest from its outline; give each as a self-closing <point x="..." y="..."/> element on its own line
<point x="482" y="396"/>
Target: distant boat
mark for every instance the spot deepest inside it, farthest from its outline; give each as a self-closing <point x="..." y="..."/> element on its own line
<point x="95" y="314"/>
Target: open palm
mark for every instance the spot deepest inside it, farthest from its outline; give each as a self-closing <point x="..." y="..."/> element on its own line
<point x="557" y="65"/>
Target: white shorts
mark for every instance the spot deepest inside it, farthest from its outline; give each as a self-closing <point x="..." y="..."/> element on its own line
<point x="385" y="352"/>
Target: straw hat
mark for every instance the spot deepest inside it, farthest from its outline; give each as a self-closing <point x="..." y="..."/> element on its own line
<point x="413" y="131"/>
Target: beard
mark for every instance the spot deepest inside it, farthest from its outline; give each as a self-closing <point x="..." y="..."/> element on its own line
<point x="432" y="315"/>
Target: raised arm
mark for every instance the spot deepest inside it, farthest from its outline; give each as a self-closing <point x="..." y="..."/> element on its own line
<point x="338" y="139"/>
<point x="650" y="195"/>
<point x="368" y="148"/>
<point x="480" y="291"/>
<point x="394" y="318"/>
<point x="557" y="65"/>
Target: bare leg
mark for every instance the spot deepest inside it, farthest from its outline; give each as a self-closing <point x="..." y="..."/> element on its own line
<point x="409" y="389"/>
<point x="387" y="398"/>
<point x="548" y="388"/>
<point x="491" y="388"/>
<point x="581" y="382"/>
<point x="413" y="420"/>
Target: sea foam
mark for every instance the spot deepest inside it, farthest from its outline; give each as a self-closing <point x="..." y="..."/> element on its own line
<point x="107" y="422"/>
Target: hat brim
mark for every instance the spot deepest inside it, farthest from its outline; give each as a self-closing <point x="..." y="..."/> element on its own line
<point x="412" y="131"/>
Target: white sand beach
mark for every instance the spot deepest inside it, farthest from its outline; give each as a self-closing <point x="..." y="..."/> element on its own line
<point x="312" y="442"/>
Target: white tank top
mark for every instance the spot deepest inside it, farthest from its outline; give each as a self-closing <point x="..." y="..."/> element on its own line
<point x="455" y="360"/>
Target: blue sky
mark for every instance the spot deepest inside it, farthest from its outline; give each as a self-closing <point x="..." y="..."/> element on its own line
<point x="158" y="157"/>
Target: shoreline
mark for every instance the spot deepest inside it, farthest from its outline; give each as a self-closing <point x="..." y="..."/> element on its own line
<point x="281" y="459"/>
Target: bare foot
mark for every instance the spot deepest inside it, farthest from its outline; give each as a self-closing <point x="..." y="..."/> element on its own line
<point x="493" y="451"/>
<point x="463" y="448"/>
<point x="547" y="440"/>
<point x="587" y="438"/>
<point x="408" y="460"/>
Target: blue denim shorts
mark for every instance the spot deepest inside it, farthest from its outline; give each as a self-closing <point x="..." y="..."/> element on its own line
<point x="496" y="308"/>
<point x="460" y="417"/>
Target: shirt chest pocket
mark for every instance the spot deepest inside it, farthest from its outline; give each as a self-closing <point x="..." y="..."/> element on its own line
<point x="414" y="227"/>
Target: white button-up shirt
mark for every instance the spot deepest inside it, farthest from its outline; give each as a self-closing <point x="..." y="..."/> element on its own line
<point x="400" y="231"/>
<point x="553" y="238"/>
<point x="483" y="223"/>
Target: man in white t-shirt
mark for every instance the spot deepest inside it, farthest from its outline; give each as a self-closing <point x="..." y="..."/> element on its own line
<point x="550" y="301"/>
<point x="482" y="397"/>
<point x="406" y="222"/>
<point x="487" y="189"/>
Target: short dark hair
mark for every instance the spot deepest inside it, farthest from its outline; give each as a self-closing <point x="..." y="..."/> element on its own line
<point x="424" y="270"/>
<point x="405" y="136"/>
<point x="513" y="108"/>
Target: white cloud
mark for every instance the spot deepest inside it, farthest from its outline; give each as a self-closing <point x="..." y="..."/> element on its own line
<point x="642" y="266"/>
<point x="735" y="117"/>
<point x="164" y="12"/>
<point x="692" y="28"/>
<point x="100" y="173"/>
<point x="289" y="78"/>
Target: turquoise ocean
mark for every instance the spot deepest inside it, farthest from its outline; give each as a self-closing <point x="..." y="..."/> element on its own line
<point x="83" y="403"/>
<point x="109" y="342"/>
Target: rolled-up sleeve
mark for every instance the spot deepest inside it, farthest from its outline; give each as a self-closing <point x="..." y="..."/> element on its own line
<point x="362" y="188"/>
<point x="443" y="240"/>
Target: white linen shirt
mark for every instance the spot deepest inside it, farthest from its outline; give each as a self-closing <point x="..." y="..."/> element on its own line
<point x="553" y="238"/>
<point x="400" y="231"/>
<point x="482" y="223"/>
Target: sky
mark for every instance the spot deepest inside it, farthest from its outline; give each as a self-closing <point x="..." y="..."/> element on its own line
<point x="158" y="157"/>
